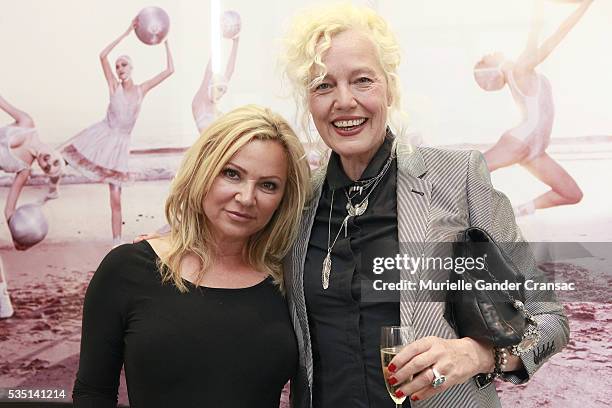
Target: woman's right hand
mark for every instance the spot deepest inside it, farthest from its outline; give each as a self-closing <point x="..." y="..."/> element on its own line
<point x="133" y="26"/>
<point x="146" y="237"/>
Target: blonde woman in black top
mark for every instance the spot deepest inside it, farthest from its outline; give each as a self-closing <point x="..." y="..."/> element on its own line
<point x="197" y="318"/>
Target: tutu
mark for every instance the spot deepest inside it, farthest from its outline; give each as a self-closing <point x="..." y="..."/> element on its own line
<point x="101" y="152"/>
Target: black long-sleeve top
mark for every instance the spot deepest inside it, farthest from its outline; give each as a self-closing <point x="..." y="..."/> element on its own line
<point x="209" y="347"/>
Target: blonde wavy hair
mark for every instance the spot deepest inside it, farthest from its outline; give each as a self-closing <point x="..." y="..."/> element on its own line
<point x="310" y="35"/>
<point x="203" y="162"/>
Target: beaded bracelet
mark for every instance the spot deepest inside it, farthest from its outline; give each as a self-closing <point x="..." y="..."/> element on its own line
<point x="500" y="356"/>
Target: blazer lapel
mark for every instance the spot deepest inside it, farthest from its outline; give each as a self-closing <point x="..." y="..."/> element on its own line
<point x="413" y="205"/>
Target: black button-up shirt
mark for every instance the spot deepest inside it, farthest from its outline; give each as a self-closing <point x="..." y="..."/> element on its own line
<point x="345" y="319"/>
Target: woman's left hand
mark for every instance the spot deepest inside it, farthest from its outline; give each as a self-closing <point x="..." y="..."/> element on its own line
<point x="456" y="359"/>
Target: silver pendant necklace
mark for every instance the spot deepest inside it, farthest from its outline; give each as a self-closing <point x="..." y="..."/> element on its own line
<point x="359" y="209"/>
<point x="327" y="263"/>
<point x="352" y="211"/>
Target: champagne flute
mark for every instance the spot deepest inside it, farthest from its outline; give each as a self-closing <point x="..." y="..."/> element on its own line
<point x="392" y="340"/>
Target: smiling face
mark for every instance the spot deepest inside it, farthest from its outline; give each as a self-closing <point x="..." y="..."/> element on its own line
<point x="123" y="68"/>
<point x="244" y="197"/>
<point x="349" y="107"/>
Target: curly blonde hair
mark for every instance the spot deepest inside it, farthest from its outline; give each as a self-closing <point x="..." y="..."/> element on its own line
<point x="310" y="35"/>
<point x="203" y="162"/>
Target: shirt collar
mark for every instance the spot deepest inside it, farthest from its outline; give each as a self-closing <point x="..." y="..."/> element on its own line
<point x="337" y="178"/>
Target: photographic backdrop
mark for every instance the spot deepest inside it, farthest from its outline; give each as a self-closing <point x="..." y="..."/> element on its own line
<point x="51" y="70"/>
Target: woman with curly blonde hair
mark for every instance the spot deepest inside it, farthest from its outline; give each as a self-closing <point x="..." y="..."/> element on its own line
<point x="375" y="194"/>
<point x="194" y="315"/>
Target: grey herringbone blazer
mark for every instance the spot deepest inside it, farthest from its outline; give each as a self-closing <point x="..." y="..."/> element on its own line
<point x="439" y="194"/>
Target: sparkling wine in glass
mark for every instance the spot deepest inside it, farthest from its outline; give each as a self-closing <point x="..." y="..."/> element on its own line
<point x="392" y="340"/>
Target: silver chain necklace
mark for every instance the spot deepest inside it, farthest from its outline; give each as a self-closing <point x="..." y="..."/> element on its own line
<point x="352" y="211"/>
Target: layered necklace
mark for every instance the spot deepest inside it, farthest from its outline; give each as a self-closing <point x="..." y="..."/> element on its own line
<point x="352" y="210"/>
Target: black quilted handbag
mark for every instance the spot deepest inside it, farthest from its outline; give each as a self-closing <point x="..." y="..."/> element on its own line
<point x="494" y="316"/>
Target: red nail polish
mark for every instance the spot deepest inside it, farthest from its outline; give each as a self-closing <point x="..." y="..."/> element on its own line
<point x="392" y="380"/>
<point x="399" y="394"/>
<point x="391" y="367"/>
<point x="414" y="398"/>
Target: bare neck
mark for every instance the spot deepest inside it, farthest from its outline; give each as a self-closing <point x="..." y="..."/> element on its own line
<point x="127" y="84"/>
<point x="355" y="165"/>
<point x="229" y="252"/>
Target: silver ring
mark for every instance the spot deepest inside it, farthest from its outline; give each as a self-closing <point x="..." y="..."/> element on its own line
<point x="439" y="379"/>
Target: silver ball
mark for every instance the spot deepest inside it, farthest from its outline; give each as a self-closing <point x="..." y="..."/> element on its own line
<point x="153" y="25"/>
<point x="28" y="225"/>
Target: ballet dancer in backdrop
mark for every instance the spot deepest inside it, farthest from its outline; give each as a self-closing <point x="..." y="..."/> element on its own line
<point x="212" y="89"/>
<point x="20" y="146"/>
<point x="526" y="143"/>
<point x="101" y="151"/>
